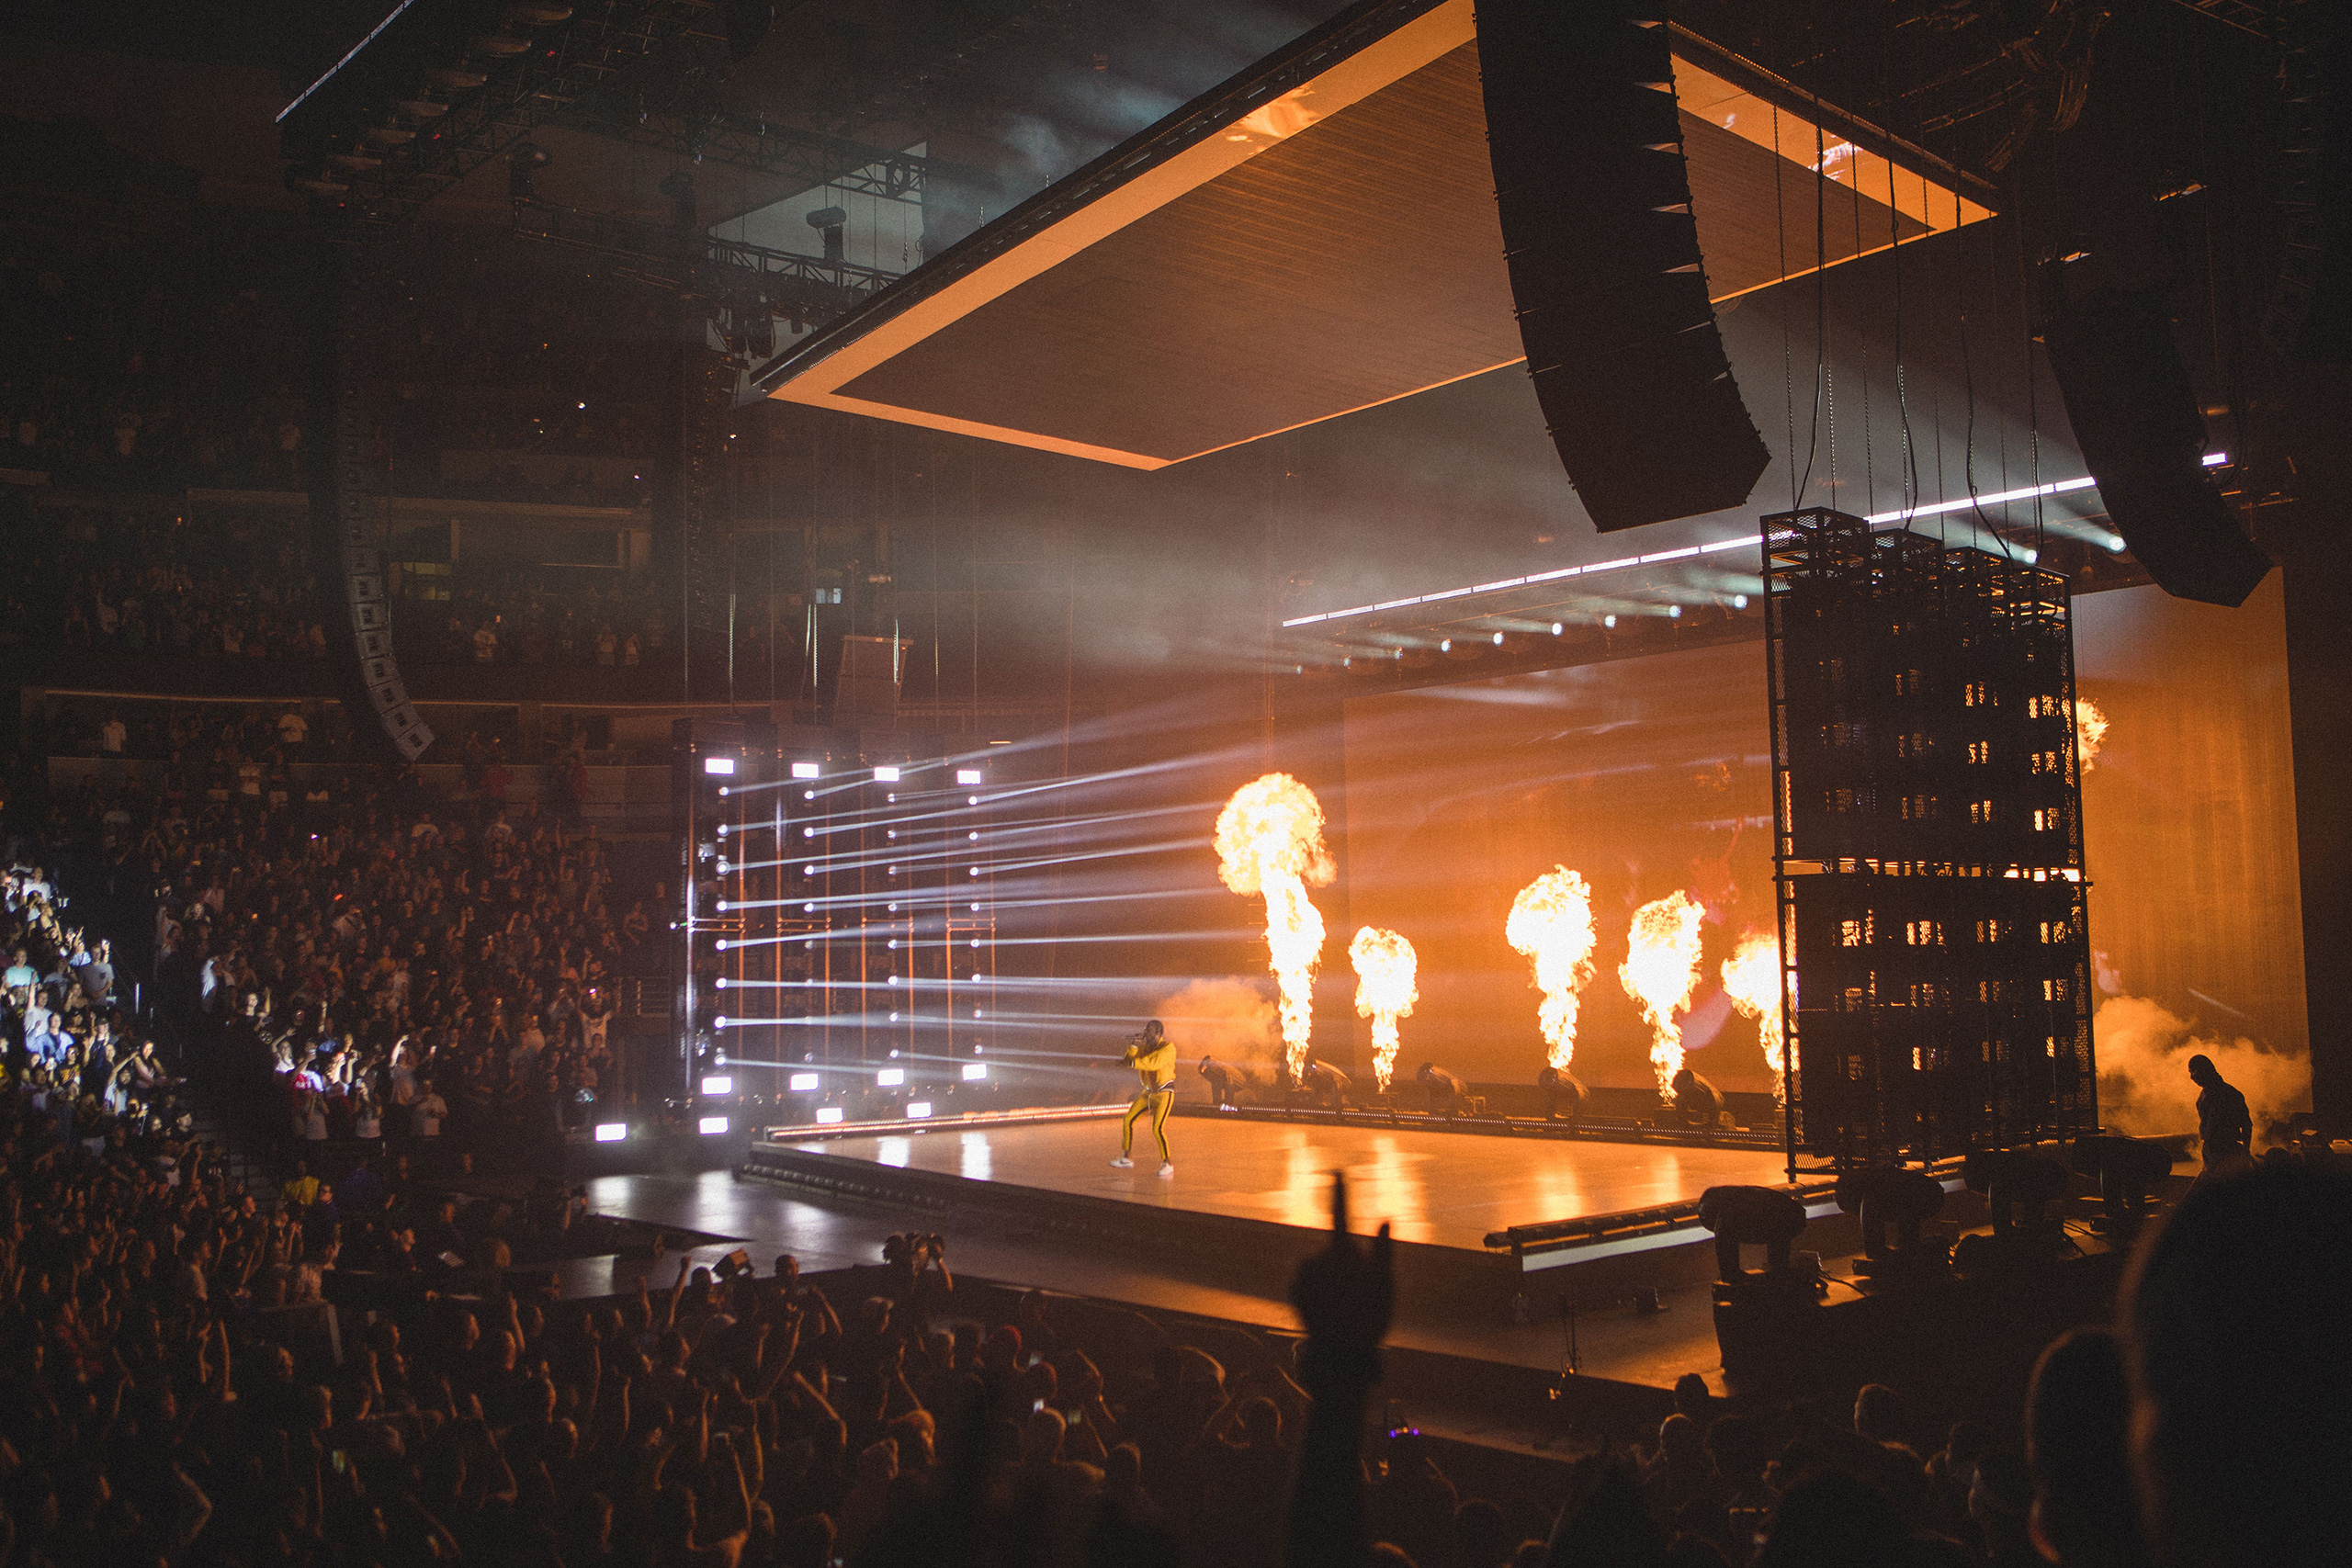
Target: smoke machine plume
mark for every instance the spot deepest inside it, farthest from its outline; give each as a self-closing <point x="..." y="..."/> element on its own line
<point x="1385" y="991"/>
<point x="1551" y="923"/>
<point x="1752" y="981"/>
<point x="1270" y="841"/>
<point x="1661" y="974"/>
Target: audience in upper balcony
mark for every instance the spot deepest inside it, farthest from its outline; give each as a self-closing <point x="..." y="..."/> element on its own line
<point x="144" y="366"/>
<point x="135" y="582"/>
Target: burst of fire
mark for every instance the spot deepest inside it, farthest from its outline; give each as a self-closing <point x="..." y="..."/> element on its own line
<point x="1752" y="981"/>
<point x="1385" y="991"/>
<point x="1270" y="841"/>
<point x="1661" y="972"/>
<point x="1550" y="923"/>
<point x="2091" y="732"/>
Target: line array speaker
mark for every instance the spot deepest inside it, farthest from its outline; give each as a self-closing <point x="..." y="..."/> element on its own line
<point x="1586" y="139"/>
<point x="345" y="474"/>
<point x="2309" y="315"/>
<point x="2127" y="394"/>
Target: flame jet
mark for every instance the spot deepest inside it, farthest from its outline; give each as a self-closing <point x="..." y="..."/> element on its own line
<point x="1661" y="973"/>
<point x="2091" y="732"/>
<point x="1752" y="981"/>
<point x="1385" y="991"/>
<point x="1270" y="841"/>
<point x="1550" y="923"/>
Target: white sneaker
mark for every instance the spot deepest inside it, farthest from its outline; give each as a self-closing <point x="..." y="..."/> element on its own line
<point x="1167" y="1170"/>
<point x="1123" y="1163"/>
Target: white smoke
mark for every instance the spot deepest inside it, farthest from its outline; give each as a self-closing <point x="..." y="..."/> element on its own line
<point x="1231" y="1019"/>
<point x="2143" y="1088"/>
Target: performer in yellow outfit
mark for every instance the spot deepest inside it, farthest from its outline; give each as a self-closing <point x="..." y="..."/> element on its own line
<point x="1153" y="1056"/>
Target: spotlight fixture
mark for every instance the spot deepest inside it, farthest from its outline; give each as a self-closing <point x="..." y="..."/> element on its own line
<point x="1674" y="612"/>
<point x="1751" y="1216"/>
<point x="1498" y="639"/>
<point x="1557" y="628"/>
<point x="1609" y="621"/>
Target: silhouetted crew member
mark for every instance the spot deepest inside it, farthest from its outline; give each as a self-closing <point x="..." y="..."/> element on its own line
<point x="1223" y="1081"/>
<point x="2224" y="1125"/>
<point x="1322" y="1081"/>
<point x="1560" y="1092"/>
<point x="1447" y="1093"/>
<point x="1697" y="1102"/>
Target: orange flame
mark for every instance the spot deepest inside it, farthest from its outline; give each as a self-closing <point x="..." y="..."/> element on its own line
<point x="1752" y="981"/>
<point x="1270" y="841"/>
<point x="1385" y="991"/>
<point x="1550" y="923"/>
<point x="2091" y="732"/>
<point x="1661" y="973"/>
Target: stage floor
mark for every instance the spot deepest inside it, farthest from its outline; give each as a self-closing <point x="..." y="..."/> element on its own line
<point x="1437" y="1188"/>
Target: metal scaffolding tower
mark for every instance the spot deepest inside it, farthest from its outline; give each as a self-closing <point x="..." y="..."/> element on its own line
<point x="1928" y="845"/>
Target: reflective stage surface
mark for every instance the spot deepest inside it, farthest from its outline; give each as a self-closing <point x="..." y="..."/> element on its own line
<point x="1441" y="1188"/>
<point x="1445" y="1189"/>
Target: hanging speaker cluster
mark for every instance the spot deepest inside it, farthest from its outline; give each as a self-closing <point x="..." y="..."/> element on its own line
<point x="2134" y="414"/>
<point x="355" y="535"/>
<point x="1586" y="139"/>
<point x="2310" y="314"/>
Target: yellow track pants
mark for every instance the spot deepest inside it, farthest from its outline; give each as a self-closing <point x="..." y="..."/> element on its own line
<point x="1157" y="1101"/>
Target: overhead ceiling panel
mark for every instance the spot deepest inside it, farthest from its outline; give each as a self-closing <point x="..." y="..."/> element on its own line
<point x="1331" y="249"/>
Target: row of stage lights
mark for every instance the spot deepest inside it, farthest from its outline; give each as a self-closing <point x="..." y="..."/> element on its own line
<point x="1607" y="621"/>
<point x="723" y="767"/>
<point x="720" y="1085"/>
<point x="804" y="773"/>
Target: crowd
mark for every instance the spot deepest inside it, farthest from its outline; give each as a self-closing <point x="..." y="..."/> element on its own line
<point x="173" y="364"/>
<point x="526" y="618"/>
<point x="222" y="588"/>
<point x="128" y="364"/>
<point x="363" y="960"/>
<point x="74" y="1052"/>
<point x="211" y="751"/>
<point x="178" y="1391"/>
<point x="229" y="588"/>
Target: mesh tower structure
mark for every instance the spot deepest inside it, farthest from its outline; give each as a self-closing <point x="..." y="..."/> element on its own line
<point x="858" y="963"/>
<point x="1928" y="845"/>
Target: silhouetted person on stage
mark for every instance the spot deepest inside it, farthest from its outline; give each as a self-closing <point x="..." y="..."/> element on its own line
<point x="1223" y="1081"/>
<point x="2224" y="1125"/>
<point x="1448" y="1094"/>
<point x="1322" y="1082"/>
